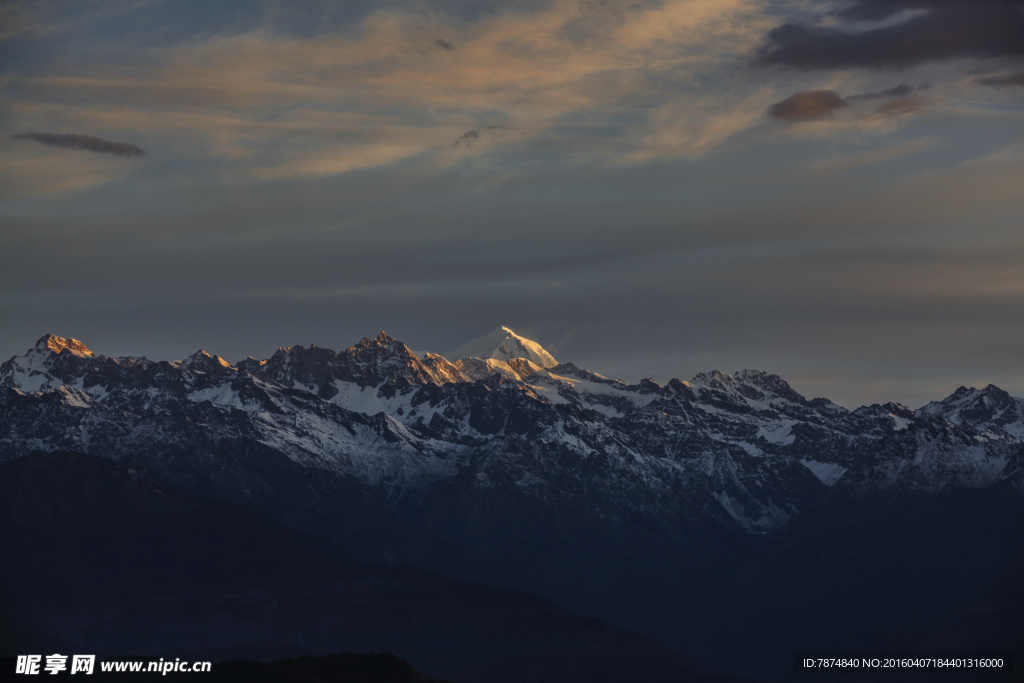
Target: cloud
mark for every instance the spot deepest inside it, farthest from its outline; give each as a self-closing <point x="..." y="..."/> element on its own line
<point x="946" y="30"/>
<point x="471" y="136"/>
<point x="809" y="105"/>
<point x="87" y="143"/>
<point x="900" y="106"/>
<point x="1002" y="81"/>
<point x="846" y="162"/>
<point x="592" y="84"/>
<point x="501" y="130"/>
<point x="35" y="172"/>
<point x="34" y="18"/>
<point x="806" y="105"/>
<point x="901" y="90"/>
<point x="468" y="137"/>
<point x="880" y="10"/>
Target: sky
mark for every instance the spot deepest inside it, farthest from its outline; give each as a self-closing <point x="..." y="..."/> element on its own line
<point x="831" y="191"/>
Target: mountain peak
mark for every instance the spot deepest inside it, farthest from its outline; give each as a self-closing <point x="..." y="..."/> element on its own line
<point x="770" y="382"/>
<point x="58" y="344"/>
<point x="749" y="383"/>
<point x="503" y="344"/>
<point x="204" y="362"/>
<point x="383" y="341"/>
<point x="991" y="406"/>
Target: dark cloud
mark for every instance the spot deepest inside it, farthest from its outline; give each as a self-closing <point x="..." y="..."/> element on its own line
<point x="468" y="137"/>
<point x="878" y="10"/>
<point x="83" y="142"/>
<point x="901" y="90"/>
<point x="806" y="105"/>
<point x="1002" y="81"/>
<point x="900" y="106"/>
<point x="441" y="42"/>
<point x="948" y="29"/>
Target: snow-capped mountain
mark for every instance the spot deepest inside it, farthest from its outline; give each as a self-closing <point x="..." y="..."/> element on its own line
<point x="729" y="498"/>
<point x="990" y="406"/>
<point x="42" y="366"/>
<point x="503" y="344"/>
<point x="744" y="450"/>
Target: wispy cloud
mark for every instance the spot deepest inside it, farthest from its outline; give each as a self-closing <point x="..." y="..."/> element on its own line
<point x="86" y="143"/>
<point x="1002" y="81"/>
<point x="901" y="106"/>
<point x="31" y="18"/>
<point x="593" y="82"/>
<point x="846" y="162"/>
<point x="44" y="172"/>
<point x="901" y="90"/>
<point x="551" y="68"/>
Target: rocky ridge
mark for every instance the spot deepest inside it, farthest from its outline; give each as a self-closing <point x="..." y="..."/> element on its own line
<point x="744" y="450"/>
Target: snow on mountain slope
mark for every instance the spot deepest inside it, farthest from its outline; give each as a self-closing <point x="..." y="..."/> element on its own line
<point x="745" y="450"/>
<point x="503" y="344"/>
<point x="828" y="473"/>
<point x="39" y="369"/>
<point x="474" y="368"/>
<point x="115" y="407"/>
<point x="990" y="406"/>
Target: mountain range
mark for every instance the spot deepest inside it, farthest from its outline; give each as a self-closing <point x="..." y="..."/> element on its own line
<point x="664" y="508"/>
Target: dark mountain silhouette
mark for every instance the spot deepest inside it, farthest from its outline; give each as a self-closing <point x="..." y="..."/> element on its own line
<point x="109" y="563"/>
